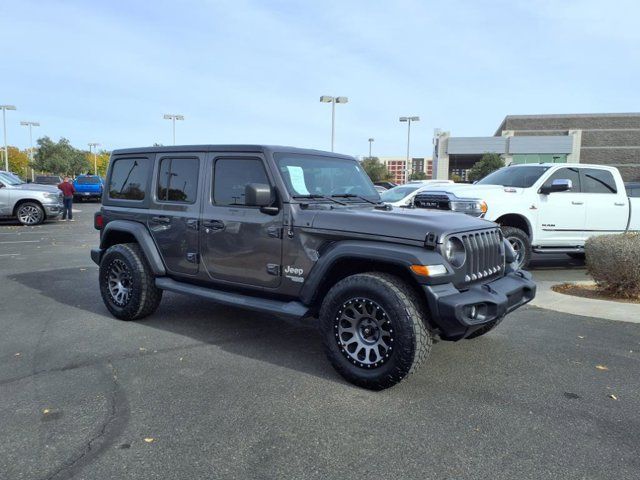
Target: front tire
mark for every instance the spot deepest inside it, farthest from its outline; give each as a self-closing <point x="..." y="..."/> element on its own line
<point x="127" y="285"/>
<point x="373" y="329"/>
<point x="520" y="243"/>
<point x="30" y="214"/>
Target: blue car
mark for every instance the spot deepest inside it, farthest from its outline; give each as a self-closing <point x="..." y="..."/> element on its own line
<point x="88" y="187"/>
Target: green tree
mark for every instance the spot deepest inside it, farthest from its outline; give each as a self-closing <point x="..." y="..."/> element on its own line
<point x="375" y="169"/>
<point x="60" y="157"/>
<point x="489" y="162"/>
<point x="102" y="160"/>
<point x="18" y="161"/>
<point x="418" y="176"/>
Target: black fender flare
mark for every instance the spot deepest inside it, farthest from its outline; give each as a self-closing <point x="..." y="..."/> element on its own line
<point x="142" y="236"/>
<point x="393" y="254"/>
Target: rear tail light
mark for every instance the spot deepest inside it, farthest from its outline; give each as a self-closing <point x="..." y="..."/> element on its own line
<point x="98" y="221"/>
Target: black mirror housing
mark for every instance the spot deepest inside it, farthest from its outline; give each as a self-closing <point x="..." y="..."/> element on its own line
<point x="258" y="195"/>
<point x="558" y="185"/>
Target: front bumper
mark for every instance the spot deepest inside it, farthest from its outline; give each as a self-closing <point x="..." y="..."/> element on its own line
<point x="457" y="313"/>
<point x="53" y="210"/>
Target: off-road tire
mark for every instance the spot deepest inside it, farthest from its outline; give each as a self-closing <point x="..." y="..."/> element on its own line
<point x="30" y="214"/>
<point x="521" y="237"/>
<point x="411" y="339"/>
<point x="144" y="295"/>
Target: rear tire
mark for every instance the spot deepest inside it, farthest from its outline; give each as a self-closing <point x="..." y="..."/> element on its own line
<point x="521" y="244"/>
<point x="373" y="329"/>
<point x="127" y="285"/>
<point x="30" y="214"/>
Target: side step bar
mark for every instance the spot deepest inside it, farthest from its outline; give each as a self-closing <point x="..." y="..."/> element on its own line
<point x="558" y="250"/>
<point x="275" y="307"/>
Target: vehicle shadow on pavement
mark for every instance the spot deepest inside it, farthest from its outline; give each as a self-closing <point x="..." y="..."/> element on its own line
<point x="290" y="344"/>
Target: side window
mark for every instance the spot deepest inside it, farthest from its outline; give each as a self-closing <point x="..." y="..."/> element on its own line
<point x="178" y="180"/>
<point x="598" y="181"/>
<point x="232" y="175"/>
<point x="129" y="178"/>
<point x="566" y="174"/>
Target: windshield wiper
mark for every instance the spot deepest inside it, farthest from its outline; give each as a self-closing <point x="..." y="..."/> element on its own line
<point x="353" y="195"/>
<point x="313" y="196"/>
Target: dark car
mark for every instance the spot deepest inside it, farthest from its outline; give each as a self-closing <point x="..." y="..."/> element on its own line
<point x="633" y="189"/>
<point x="301" y="233"/>
<point x="88" y="187"/>
<point x="47" y="179"/>
<point x="386" y="185"/>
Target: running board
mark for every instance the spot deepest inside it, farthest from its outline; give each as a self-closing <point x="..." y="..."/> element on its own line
<point x="275" y="307"/>
<point x="558" y="250"/>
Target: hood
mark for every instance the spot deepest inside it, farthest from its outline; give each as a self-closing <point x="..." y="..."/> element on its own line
<point x="406" y="223"/>
<point x="466" y="190"/>
<point x="37" y="187"/>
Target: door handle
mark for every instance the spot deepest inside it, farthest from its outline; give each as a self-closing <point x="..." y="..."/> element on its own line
<point x="161" y="219"/>
<point x="619" y="204"/>
<point x="577" y="203"/>
<point x="213" y="224"/>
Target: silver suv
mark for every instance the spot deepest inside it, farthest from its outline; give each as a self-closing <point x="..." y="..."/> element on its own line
<point x="31" y="204"/>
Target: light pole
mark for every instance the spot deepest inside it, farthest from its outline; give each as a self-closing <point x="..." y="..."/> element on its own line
<point x="408" y="120"/>
<point x="95" y="156"/>
<point x="30" y="125"/>
<point x="173" y="117"/>
<point x="4" y="109"/>
<point x="371" y="140"/>
<point x="333" y="101"/>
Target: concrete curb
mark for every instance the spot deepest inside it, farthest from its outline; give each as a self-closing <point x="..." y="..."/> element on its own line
<point x="587" y="307"/>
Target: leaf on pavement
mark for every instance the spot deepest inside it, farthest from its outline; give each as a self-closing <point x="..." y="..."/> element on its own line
<point x="149" y="439"/>
<point x="602" y="367"/>
<point x="613" y="397"/>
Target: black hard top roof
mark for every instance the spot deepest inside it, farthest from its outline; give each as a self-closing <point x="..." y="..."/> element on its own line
<point x="228" y="148"/>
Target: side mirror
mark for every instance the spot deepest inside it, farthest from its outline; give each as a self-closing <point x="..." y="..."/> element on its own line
<point x="1" y="185"/>
<point x="558" y="185"/>
<point x="257" y="195"/>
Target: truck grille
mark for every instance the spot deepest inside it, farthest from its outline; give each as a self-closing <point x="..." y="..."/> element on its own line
<point x="485" y="255"/>
<point x="430" y="200"/>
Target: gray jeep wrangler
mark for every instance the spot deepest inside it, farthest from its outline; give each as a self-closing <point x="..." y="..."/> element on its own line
<point x="301" y="233"/>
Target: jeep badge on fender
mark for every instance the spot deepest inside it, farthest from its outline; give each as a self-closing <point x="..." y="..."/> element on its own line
<point x="302" y="233"/>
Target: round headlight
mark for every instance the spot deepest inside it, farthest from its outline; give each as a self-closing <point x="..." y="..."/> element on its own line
<point x="454" y="252"/>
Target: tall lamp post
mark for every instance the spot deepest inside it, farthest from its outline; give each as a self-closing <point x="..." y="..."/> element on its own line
<point x="371" y="140"/>
<point x="408" y="120"/>
<point x="95" y="146"/>
<point x="333" y="101"/>
<point x="4" y="109"/>
<point x="30" y="125"/>
<point x="173" y="117"/>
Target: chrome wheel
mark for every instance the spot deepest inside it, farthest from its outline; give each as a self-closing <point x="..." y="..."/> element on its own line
<point x="29" y="214"/>
<point x="519" y="248"/>
<point x="119" y="282"/>
<point x="364" y="333"/>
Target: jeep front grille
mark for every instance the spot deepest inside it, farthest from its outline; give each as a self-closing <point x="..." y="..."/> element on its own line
<point x="485" y="255"/>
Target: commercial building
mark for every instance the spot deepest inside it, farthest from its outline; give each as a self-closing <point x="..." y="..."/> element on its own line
<point x="396" y="166"/>
<point x="604" y="139"/>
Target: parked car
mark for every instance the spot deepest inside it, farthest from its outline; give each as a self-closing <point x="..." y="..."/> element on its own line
<point x="380" y="189"/>
<point x="300" y="233"/>
<point x="47" y="180"/>
<point x="31" y="204"/>
<point x="633" y="189"/>
<point x="544" y="208"/>
<point x="88" y="187"/>
<point x="386" y="184"/>
<point x="403" y="195"/>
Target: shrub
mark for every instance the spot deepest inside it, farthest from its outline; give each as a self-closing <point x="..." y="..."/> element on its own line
<point x="614" y="263"/>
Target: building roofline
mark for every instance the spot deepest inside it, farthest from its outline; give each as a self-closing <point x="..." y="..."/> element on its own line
<point x="562" y="115"/>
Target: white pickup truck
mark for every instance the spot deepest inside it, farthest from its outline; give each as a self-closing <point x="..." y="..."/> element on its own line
<point x="544" y="208"/>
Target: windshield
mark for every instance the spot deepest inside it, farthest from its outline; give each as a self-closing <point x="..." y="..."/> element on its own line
<point x="520" y="177"/>
<point x="88" y="180"/>
<point x="315" y="175"/>
<point x="10" y="179"/>
<point x="398" y="193"/>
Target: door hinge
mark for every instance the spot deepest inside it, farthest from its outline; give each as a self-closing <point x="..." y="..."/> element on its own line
<point x="274" y="232"/>
<point x="273" y="269"/>
<point x="193" y="257"/>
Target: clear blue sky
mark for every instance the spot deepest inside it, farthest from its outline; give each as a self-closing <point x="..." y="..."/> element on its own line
<point x="246" y="71"/>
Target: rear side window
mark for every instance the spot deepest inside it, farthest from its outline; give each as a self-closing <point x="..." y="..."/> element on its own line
<point x="129" y="178"/>
<point x="566" y="174"/>
<point x="231" y="176"/>
<point x="598" y="181"/>
<point x="178" y="180"/>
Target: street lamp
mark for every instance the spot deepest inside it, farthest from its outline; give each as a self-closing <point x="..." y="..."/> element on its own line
<point x="95" y="156"/>
<point x="408" y="120"/>
<point x="371" y="140"/>
<point x="4" y="109"/>
<point x="30" y="125"/>
<point x="173" y="117"/>
<point x="333" y="101"/>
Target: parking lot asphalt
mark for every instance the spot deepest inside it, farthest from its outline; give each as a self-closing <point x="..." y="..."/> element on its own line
<point x="203" y="391"/>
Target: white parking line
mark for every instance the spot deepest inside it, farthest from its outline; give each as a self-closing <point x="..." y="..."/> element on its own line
<point x="23" y="241"/>
<point x="9" y="254"/>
